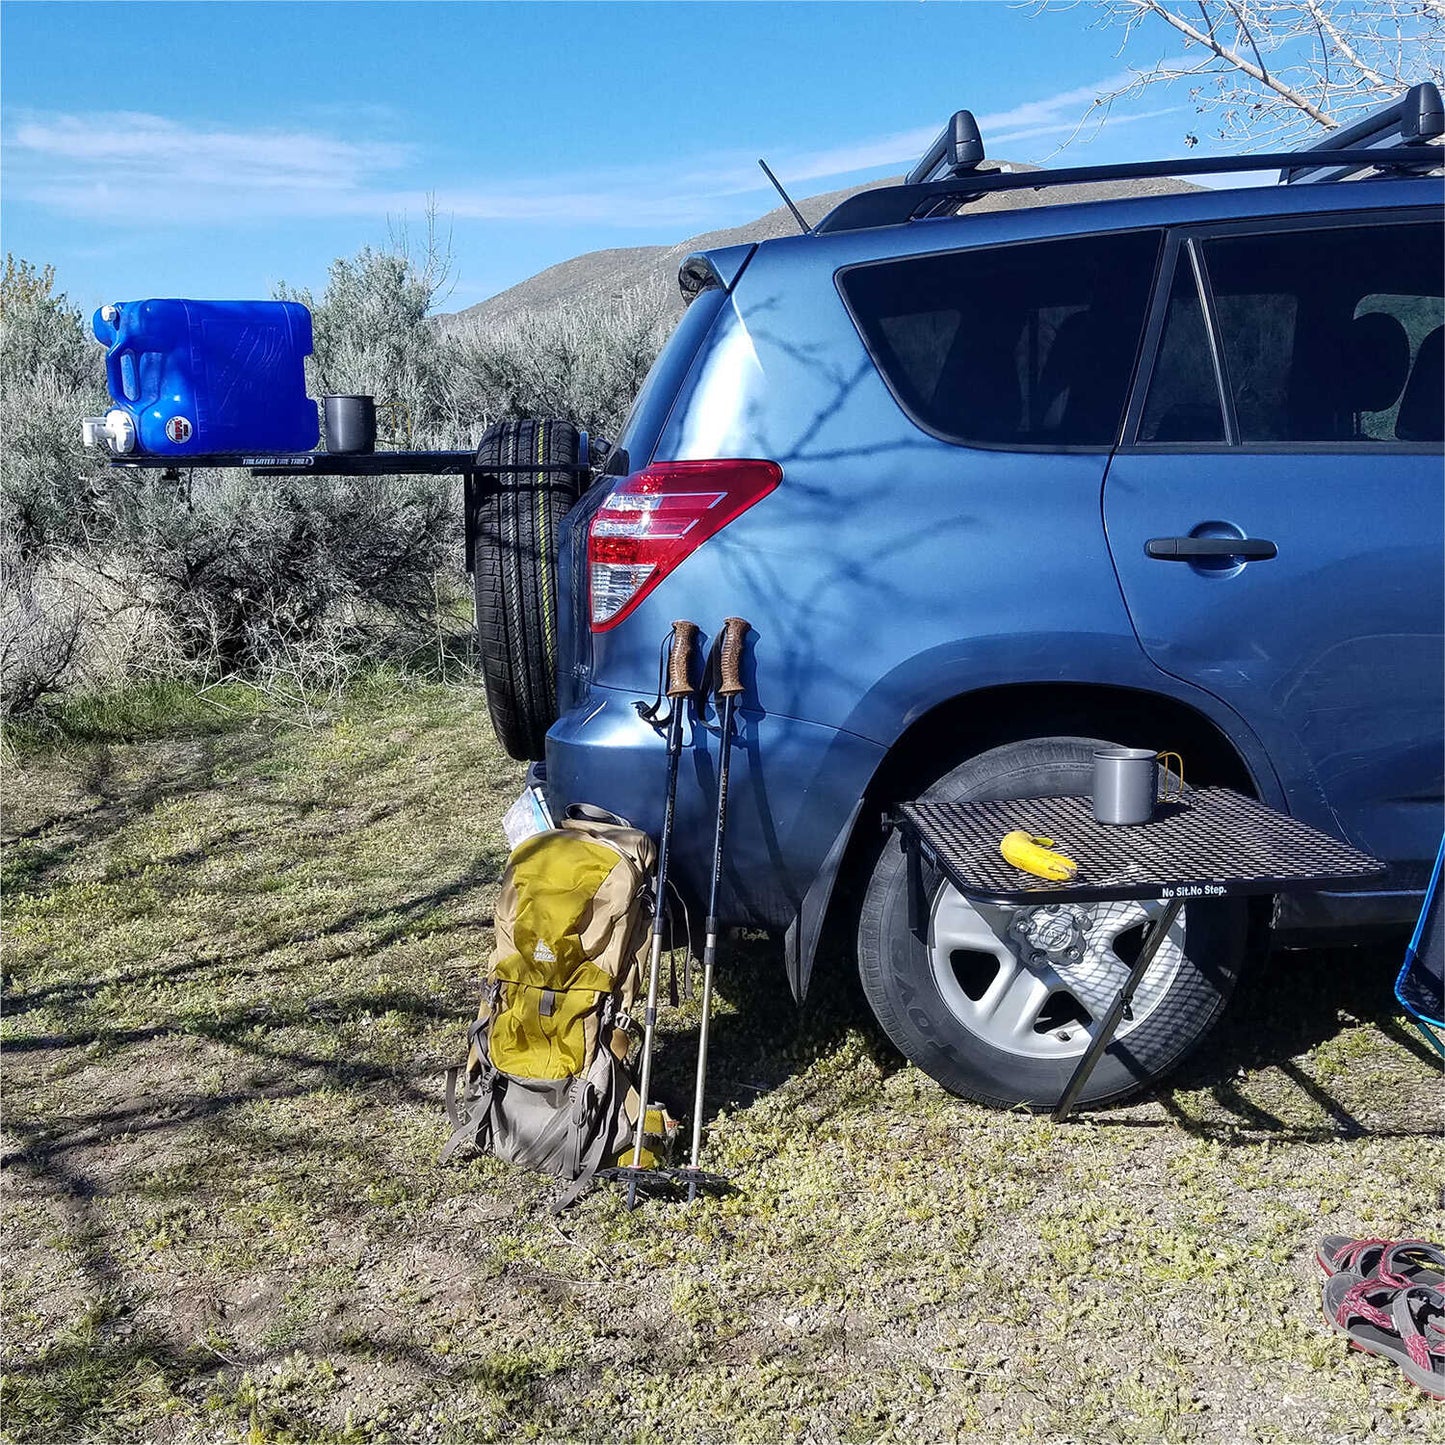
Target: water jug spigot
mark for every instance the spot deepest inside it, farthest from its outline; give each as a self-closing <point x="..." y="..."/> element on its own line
<point x="115" y="431"/>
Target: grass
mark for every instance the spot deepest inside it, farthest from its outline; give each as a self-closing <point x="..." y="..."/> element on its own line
<point x="240" y="955"/>
<point x="143" y="712"/>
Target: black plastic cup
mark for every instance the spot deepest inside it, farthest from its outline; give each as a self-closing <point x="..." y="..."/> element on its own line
<point x="350" y="423"/>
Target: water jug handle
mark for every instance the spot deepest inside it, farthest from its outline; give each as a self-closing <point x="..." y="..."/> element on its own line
<point x="115" y="375"/>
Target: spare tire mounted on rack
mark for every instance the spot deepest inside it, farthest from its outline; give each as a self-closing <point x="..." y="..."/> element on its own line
<point x="513" y="521"/>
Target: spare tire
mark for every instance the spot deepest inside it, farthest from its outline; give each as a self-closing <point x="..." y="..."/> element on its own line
<point x="512" y="532"/>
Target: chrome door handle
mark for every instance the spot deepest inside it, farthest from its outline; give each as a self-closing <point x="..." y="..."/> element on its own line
<point x="1185" y="549"/>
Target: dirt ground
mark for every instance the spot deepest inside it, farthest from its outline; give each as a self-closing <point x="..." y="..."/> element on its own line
<point x="239" y="956"/>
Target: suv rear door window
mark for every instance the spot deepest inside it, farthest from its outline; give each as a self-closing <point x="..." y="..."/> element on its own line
<point x="1011" y="346"/>
<point x="1330" y="335"/>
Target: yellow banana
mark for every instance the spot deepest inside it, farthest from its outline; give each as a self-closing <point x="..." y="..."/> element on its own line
<point x="1036" y="856"/>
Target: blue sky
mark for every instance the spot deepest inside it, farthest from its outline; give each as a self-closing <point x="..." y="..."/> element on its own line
<point x="213" y="150"/>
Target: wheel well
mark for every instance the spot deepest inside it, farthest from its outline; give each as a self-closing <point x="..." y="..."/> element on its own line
<point x="965" y="726"/>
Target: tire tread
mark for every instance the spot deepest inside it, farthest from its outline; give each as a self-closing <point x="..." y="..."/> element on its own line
<point x="515" y="578"/>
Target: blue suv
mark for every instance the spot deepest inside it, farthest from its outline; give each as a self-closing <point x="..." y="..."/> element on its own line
<point x="993" y="487"/>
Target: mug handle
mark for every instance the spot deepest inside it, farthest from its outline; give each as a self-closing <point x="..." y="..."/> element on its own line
<point x="1164" y="794"/>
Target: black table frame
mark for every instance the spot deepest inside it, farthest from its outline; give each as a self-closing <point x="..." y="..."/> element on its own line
<point x="475" y="478"/>
<point x="337" y="464"/>
<point x="1216" y="843"/>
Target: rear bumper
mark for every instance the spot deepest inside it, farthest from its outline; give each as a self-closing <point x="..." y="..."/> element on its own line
<point x="792" y="787"/>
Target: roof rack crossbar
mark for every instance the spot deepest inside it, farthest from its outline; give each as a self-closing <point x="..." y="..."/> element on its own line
<point x="1409" y="123"/>
<point x="894" y="205"/>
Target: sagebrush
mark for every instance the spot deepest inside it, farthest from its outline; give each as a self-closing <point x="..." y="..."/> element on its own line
<point x="107" y="574"/>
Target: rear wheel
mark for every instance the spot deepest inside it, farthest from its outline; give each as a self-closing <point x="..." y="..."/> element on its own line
<point x="514" y="574"/>
<point x="1000" y="1004"/>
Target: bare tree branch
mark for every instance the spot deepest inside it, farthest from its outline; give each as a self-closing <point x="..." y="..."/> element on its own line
<point x="1271" y="69"/>
<point x="1322" y="18"/>
<point x="1235" y="59"/>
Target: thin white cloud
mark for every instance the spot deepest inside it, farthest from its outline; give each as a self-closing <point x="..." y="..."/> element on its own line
<point x="148" y="169"/>
<point x="1049" y="119"/>
<point x="879" y="153"/>
<point x="1064" y="129"/>
<point x="134" y="168"/>
<point x="1046" y="119"/>
<point x="127" y="146"/>
<point x="1055" y="108"/>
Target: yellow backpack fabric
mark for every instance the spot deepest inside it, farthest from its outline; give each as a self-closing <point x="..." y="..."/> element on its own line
<point x="546" y="1080"/>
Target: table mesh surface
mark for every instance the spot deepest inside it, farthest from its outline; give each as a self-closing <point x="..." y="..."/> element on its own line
<point x="1216" y="841"/>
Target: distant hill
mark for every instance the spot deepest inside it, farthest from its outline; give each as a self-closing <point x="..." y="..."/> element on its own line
<point x="649" y="268"/>
<point x="654" y="268"/>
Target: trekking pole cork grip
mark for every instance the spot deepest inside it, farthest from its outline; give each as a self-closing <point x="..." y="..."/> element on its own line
<point x="730" y="666"/>
<point x="684" y="639"/>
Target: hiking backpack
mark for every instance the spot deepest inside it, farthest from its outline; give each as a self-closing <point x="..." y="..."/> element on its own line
<point x="546" y="1081"/>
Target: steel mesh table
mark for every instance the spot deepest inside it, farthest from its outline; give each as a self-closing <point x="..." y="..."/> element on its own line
<point x="1215" y="843"/>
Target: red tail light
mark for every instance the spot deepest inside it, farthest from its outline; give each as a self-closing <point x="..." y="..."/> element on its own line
<point x="655" y="518"/>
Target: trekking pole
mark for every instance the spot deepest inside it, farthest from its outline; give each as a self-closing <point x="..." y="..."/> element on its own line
<point x="735" y="630"/>
<point x="679" y="688"/>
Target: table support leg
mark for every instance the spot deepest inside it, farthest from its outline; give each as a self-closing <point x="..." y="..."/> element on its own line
<point x="917" y="898"/>
<point x="1105" y="1036"/>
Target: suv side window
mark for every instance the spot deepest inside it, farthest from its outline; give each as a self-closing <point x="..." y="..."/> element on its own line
<point x="1028" y="346"/>
<point x="1329" y="335"/>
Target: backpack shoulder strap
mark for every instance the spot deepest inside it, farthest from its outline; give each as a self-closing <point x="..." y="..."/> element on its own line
<point x="591" y="813"/>
<point x="634" y="845"/>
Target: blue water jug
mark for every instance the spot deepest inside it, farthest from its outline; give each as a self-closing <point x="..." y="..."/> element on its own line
<point x="210" y="376"/>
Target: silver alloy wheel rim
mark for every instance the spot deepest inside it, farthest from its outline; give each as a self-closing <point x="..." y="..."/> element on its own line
<point x="1008" y="1010"/>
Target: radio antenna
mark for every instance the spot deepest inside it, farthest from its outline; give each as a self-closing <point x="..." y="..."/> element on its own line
<point x="806" y="229"/>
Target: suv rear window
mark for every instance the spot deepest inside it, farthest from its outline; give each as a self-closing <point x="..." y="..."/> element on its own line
<point x="1012" y="346"/>
<point x="654" y="401"/>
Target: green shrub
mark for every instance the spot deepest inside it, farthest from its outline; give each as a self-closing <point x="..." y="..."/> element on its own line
<point x="108" y="575"/>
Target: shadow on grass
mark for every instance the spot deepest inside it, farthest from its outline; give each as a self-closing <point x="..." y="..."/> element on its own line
<point x="101" y="1378"/>
<point x="768" y="1040"/>
<point x="110" y="1375"/>
<point x="74" y="991"/>
<point x="239" y="1027"/>
<point x="1285" y="1006"/>
<point x="32" y="861"/>
<point x="71" y="1387"/>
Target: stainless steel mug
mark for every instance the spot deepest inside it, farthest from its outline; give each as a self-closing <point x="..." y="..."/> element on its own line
<point x="350" y="423"/>
<point x="1126" y="784"/>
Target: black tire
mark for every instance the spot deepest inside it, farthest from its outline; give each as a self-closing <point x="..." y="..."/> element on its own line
<point x="904" y="978"/>
<point x="514" y="575"/>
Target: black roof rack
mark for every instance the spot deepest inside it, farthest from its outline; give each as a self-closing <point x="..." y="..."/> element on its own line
<point x="957" y="150"/>
<point x="1416" y="119"/>
<point x="1398" y="139"/>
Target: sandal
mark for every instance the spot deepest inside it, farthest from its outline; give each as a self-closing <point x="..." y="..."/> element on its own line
<point x="1394" y="1261"/>
<point x="1406" y="1325"/>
